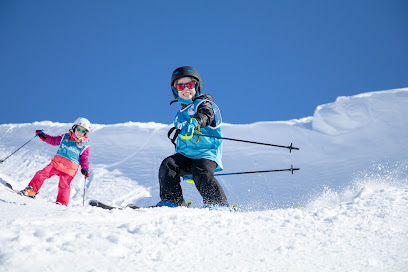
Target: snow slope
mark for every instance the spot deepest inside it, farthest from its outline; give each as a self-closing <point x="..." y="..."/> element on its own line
<point x="352" y="186"/>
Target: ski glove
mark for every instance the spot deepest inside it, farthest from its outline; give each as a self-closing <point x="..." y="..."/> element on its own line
<point x="40" y="133"/>
<point x="85" y="172"/>
<point x="187" y="132"/>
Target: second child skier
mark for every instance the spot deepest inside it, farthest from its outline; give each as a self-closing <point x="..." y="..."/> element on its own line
<point x="73" y="152"/>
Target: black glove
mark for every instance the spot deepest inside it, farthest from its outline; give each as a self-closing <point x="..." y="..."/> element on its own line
<point x="85" y="172"/>
<point x="40" y="133"/>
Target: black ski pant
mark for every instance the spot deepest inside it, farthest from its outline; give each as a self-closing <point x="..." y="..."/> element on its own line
<point x="176" y="166"/>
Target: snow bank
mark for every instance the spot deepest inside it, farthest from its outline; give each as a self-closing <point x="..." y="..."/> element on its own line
<point x="351" y="113"/>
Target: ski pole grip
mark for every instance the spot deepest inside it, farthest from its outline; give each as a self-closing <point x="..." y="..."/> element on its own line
<point x="291" y="147"/>
<point x="293" y="169"/>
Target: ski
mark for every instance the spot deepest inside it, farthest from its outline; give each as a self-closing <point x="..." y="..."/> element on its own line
<point x="97" y="203"/>
<point x="9" y="186"/>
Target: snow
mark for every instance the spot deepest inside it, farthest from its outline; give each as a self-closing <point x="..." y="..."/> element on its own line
<point x="352" y="186"/>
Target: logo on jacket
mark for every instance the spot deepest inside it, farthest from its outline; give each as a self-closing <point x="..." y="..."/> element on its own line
<point x="70" y="148"/>
<point x="191" y="110"/>
<point x="181" y="125"/>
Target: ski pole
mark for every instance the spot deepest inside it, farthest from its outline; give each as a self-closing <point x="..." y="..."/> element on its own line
<point x="189" y="178"/>
<point x="291" y="169"/>
<point x="250" y="142"/>
<point x="83" y="200"/>
<point x="1" y="161"/>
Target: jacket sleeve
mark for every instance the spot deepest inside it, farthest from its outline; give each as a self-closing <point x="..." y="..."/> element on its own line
<point x="83" y="159"/>
<point x="53" y="140"/>
<point x="205" y="113"/>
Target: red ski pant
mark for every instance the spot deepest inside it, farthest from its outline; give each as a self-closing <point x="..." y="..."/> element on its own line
<point x="64" y="188"/>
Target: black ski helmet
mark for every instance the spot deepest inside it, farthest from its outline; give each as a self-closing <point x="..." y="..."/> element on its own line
<point x="185" y="71"/>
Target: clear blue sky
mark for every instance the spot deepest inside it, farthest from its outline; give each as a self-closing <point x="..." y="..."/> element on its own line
<point x="111" y="61"/>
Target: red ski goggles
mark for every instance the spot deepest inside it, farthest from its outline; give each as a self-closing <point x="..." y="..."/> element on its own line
<point x="190" y="85"/>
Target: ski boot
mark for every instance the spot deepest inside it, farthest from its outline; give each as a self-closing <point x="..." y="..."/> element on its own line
<point x="165" y="203"/>
<point x="29" y="192"/>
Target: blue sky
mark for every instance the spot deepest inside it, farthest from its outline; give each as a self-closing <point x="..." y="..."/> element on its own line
<point x="111" y="61"/>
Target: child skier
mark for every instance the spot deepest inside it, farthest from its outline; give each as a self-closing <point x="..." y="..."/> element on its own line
<point x="198" y="157"/>
<point x="73" y="151"/>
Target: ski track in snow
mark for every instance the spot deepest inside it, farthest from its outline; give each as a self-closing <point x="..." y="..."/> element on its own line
<point x="352" y="186"/>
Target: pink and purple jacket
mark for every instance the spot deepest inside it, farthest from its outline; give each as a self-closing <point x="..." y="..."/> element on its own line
<point x="70" y="153"/>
